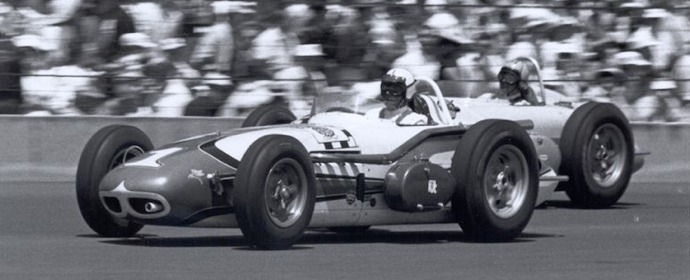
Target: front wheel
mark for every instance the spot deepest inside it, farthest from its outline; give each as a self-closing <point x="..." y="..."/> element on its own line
<point x="496" y="169"/>
<point x="108" y="148"/>
<point x="275" y="192"/>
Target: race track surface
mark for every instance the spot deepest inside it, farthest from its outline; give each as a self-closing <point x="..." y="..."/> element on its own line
<point x="645" y="236"/>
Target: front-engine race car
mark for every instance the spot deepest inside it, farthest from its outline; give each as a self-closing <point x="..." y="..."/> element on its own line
<point x="482" y="163"/>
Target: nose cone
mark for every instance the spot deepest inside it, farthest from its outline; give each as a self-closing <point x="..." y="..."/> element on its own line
<point x="164" y="192"/>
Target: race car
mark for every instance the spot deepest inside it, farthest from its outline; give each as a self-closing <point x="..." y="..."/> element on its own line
<point x="482" y="163"/>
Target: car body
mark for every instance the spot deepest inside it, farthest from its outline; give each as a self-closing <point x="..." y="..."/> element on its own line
<point x="485" y="167"/>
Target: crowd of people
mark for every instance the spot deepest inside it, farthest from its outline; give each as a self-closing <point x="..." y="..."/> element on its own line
<point x="224" y="58"/>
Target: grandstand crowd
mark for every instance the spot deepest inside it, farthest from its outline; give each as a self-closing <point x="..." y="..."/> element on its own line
<point x="224" y="58"/>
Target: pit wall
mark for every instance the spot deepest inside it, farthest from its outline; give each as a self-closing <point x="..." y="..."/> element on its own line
<point x="46" y="149"/>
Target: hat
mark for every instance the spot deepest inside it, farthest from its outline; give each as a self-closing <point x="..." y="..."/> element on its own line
<point x="136" y="40"/>
<point x="654" y="13"/>
<point x="217" y="79"/>
<point x="4" y="8"/>
<point x="227" y="7"/>
<point x="33" y="41"/>
<point x="309" y="50"/>
<point x="447" y="26"/>
<point x="172" y="43"/>
<point x="630" y="58"/>
<point x="642" y="38"/>
<point x="662" y="85"/>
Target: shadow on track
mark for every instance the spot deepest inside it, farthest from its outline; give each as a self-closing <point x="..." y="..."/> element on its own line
<point x="567" y="204"/>
<point x="314" y="237"/>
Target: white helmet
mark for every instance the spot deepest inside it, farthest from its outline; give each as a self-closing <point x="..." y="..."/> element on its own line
<point x="399" y="73"/>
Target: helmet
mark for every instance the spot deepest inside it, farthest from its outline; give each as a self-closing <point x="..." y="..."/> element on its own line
<point x="402" y="74"/>
<point x="513" y="72"/>
<point x="394" y="85"/>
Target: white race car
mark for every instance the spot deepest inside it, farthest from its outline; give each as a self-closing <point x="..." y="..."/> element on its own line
<point x="481" y="163"/>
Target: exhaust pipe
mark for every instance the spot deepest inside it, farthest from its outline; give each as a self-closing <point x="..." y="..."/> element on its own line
<point x="153" y="207"/>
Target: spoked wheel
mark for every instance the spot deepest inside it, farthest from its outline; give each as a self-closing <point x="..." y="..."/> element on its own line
<point x="606" y="156"/>
<point x="506" y="181"/>
<point x="598" y="152"/>
<point x="496" y="170"/>
<point x="275" y="192"/>
<point x="109" y="148"/>
<point x="285" y="192"/>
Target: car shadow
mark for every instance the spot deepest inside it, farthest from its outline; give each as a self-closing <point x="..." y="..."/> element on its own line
<point x="316" y="237"/>
<point x="567" y="204"/>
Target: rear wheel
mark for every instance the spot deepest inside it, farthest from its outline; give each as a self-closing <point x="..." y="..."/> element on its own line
<point x="597" y="149"/>
<point x="269" y="115"/>
<point x="108" y="148"/>
<point x="496" y="170"/>
<point x="274" y="192"/>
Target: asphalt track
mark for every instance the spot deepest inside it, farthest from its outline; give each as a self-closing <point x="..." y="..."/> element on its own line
<point x="645" y="236"/>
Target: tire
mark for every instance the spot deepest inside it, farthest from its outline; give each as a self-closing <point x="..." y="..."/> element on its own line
<point x="273" y="215"/>
<point x="269" y="115"/>
<point x="108" y="148"/>
<point x="597" y="152"/>
<point x="496" y="169"/>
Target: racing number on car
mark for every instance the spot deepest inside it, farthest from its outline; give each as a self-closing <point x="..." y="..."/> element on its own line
<point x="431" y="186"/>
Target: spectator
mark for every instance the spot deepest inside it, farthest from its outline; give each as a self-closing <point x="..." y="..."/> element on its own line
<point x="175" y="51"/>
<point x="10" y="82"/>
<point x="215" y="49"/>
<point x="680" y="72"/>
<point x="101" y="28"/>
<point x="344" y="44"/>
<point x="637" y="102"/>
<point x="173" y="100"/>
<point x="56" y="22"/>
<point x="125" y="96"/>
<point x="37" y="90"/>
<point x="159" y="19"/>
<point x="607" y="85"/>
<point x="273" y="53"/>
<point x="310" y="57"/>
<point x="208" y="102"/>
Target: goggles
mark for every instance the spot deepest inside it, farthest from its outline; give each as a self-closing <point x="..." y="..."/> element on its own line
<point x="509" y="77"/>
<point x="392" y="87"/>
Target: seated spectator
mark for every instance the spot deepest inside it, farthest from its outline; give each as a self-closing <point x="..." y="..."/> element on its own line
<point x="637" y="102"/>
<point x="607" y="84"/>
<point x="125" y="96"/>
<point x="173" y="100"/>
<point x="209" y="100"/>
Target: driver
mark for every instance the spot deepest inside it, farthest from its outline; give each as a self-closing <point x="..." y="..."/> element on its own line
<point x="513" y="81"/>
<point x="396" y="91"/>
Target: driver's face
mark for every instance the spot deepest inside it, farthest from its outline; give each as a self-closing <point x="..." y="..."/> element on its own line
<point x="393" y="94"/>
<point x="508" y="81"/>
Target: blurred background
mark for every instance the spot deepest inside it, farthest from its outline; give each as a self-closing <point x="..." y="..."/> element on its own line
<point x="223" y="58"/>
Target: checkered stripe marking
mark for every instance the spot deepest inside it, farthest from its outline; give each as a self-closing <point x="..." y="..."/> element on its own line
<point x="350" y="143"/>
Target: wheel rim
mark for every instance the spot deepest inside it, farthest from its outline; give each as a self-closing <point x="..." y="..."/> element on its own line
<point x="286" y="192"/>
<point x="606" y="155"/>
<point x="124" y="155"/>
<point x="506" y="181"/>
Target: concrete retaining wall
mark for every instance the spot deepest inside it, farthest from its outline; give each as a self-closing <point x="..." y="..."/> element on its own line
<point x="48" y="148"/>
